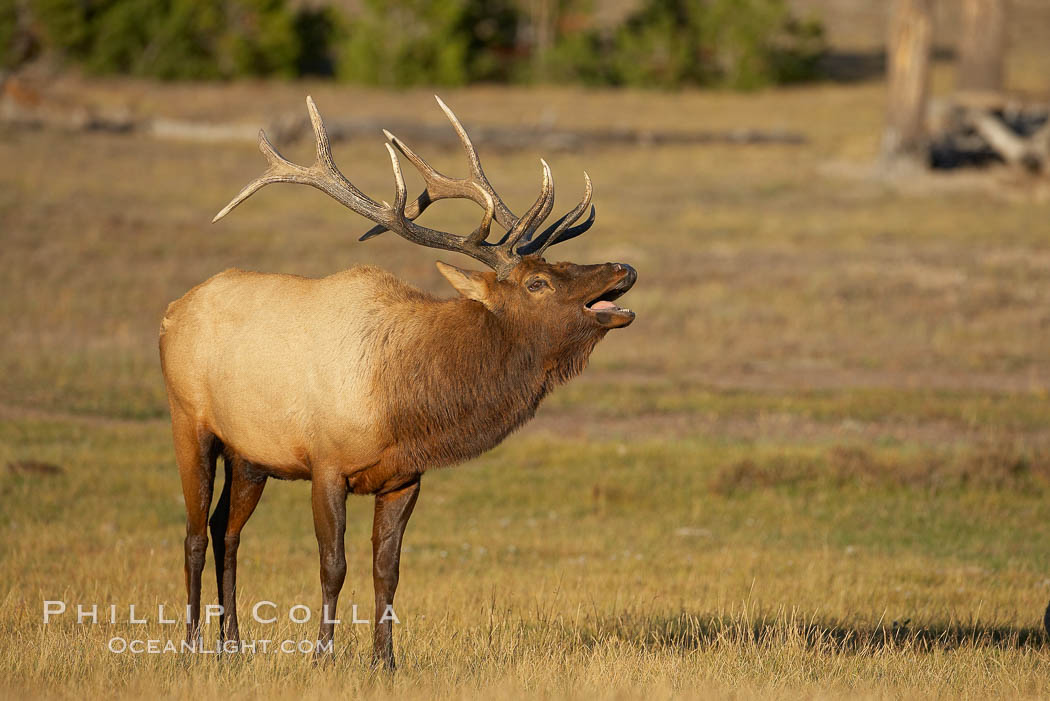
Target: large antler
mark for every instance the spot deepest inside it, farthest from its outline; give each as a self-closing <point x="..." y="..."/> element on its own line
<point x="501" y="256"/>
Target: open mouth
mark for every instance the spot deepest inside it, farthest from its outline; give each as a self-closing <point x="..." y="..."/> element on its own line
<point x="604" y="303"/>
<point x="607" y="311"/>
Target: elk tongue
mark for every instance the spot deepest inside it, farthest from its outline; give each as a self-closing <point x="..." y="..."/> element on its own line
<point x="603" y="304"/>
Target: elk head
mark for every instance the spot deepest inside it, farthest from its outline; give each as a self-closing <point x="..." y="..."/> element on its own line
<point x="569" y="300"/>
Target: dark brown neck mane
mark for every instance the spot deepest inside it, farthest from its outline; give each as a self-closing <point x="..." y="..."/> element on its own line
<point x="465" y="378"/>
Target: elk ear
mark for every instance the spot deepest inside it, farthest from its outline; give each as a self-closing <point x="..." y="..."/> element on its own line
<point x="468" y="283"/>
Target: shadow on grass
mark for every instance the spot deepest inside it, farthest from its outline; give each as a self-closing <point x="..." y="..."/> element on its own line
<point x="686" y="632"/>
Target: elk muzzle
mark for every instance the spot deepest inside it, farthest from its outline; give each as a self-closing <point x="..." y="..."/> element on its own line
<point x="601" y="307"/>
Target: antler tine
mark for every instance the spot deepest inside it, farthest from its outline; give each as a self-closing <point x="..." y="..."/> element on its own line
<point x="504" y="216"/>
<point x="400" y="191"/>
<point x="425" y="198"/>
<point x="438" y="186"/>
<point x="574" y="231"/>
<point x="559" y="231"/>
<point x="278" y="170"/>
<point x="482" y="232"/>
<point x="324" y="151"/>
<point x="540" y="210"/>
<point x="425" y="169"/>
<point x="323" y="174"/>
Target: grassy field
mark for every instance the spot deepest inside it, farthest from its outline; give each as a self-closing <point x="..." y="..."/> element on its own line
<point x="818" y="464"/>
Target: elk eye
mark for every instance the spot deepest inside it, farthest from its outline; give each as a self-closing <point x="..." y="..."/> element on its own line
<point x="536" y="285"/>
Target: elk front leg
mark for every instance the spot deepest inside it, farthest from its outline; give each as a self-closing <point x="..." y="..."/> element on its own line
<point x="392" y="512"/>
<point x="240" y="495"/>
<point x="329" y="505"/>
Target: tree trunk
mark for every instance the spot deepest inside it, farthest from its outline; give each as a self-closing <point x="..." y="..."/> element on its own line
<point x="544" y="17"/>
<point x="908" y="63"/>
<point x="982" y="46"/>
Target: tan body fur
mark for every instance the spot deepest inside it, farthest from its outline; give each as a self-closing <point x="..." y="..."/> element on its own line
<point x="255" y="358"/>
<point x="357" y="373"/>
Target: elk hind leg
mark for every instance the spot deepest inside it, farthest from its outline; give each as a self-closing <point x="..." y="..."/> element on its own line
<point x="241" y="492"/>
<point x="196" y="450"/>
<point x="329" y="506"/>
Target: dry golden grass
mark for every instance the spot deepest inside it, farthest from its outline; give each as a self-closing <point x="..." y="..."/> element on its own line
<point x="816" y="466"/>
<point x="552" y="568"/>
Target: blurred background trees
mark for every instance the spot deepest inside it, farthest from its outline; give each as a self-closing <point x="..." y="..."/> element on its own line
<point x="910" y="44"/>
<point x="661" y="43"/>
<point x="982" y="46"/>
<point x="168" y="39"/>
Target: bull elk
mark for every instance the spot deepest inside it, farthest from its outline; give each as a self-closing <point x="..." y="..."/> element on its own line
<point x="360" y="382"/>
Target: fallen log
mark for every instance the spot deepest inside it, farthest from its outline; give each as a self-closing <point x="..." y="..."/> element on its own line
<point x="494" y="137"/>
<point x="1031" y="153"/>
<point x="978" y="129"/>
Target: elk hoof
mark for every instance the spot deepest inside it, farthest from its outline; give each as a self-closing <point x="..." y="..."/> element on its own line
<point x="383" y="663"/>
<point x="323" y="655"/>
